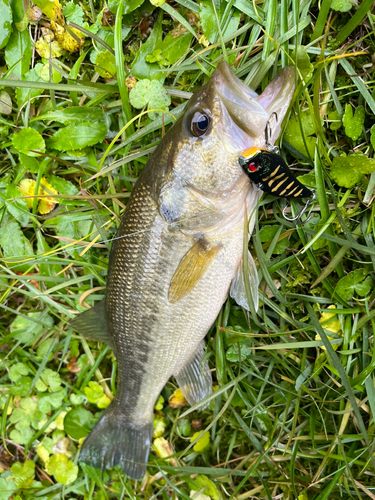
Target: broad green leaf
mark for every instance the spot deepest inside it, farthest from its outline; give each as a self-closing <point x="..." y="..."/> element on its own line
<point x="78" y="136"/>
<point x="373" y="136"/>
<point x="105" y="64"/>
<point x="293" y="133"/>
<point x="23" y="474"/>
<point x="94" y="393"/>
<point x="18" y="52"/>
<point x="149" y="92"/>
<point x="353" y="123"/>
<point x="347" y="171"/>
<point x="342" y="5"/>
<point x="308" y="180"/>
<point x="21" y="388"/>
<point x="50" y="379"/>
<point x="128" y="6"/>
<point x="184" y="426"/>
<point x="17" y="371"/>
<point x="52" y="9"/>
<point x="29" y="163"/>
<point x="51" y="401"/>
<point x="208" y="485"/>
<point x="5" y="102"/>
<point x="44" y="347"/>
<point x="141" y="68"/>
<point x="28" y="140"/>
<point x="16" y="206"/>
<point x="302" y="59"/>
<point x="63" y="469"/>
<point x="335" y="119"/>
<point x="139" y="95"/>
<point x="354" y="282"/>
<point x="18" y="10"/>
<point x="173" y="49"/>
<point x="156" y="56"/>
<point x="62" y="185"/>
<point x="78" y="423"/>
<point x="73" y="13"/>
<point x="236" y="351"/>
<point x="5" y="22"/>
<point x="14" y="244"/>
<point x="26" y="329"/>
<point x="7" y="488"/>
<point x="208" y="19"/>
<point x="74" y="114"/>
<point x="46" y="48"/>
<point x="202" y="443"/>
<point x="267" y="233"/>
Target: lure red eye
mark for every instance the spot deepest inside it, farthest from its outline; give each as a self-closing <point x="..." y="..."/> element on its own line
<point x="253" y="166"/>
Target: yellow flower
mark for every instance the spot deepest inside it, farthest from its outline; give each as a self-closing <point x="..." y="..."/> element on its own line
<point x="65" y="39"/>
<point x="330" y="324"/>
<point x="45" y="205"/>
<point x="177" y="400"/>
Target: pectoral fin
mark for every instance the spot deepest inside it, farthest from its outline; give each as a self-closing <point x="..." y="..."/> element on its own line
<point x="92" y="324"/>
<point x="194" y="379"/>
<point x="238" y="289"/>
<point x="191" y="269"/>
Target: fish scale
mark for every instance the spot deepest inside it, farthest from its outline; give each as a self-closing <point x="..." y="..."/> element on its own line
<point x="178" y="249"/>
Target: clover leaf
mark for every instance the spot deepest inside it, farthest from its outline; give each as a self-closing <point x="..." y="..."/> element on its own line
<point x="353" y="123"/>
<point x="7" y="488"/>
<point x="23" y="474"/>
<point x="64" y="470"/>
<point x="355" y="281"/>
<point x="347" y="171"/>
<point x="17" y="371"/>
<point x="151" y="93"/>
<point x="342" y="5"/>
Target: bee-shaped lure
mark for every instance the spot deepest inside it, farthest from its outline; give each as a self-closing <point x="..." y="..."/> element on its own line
<point x="267" y="169"/>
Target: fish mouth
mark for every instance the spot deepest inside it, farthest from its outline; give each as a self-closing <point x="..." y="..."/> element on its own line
<point x="245" y="114"/>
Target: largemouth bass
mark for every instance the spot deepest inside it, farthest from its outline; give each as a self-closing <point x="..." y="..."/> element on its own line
<point x="179" y="248"/>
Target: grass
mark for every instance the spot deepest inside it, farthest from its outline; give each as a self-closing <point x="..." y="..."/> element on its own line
<point x="292" y="414"/>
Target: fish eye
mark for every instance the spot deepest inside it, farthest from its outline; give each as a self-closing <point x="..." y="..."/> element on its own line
<point x="200" y="123"/>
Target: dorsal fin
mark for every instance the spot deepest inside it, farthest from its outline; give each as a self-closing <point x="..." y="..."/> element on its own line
<point x="92" y="324"/>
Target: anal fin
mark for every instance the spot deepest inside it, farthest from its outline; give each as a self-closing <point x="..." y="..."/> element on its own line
<point x="238" y="289"/>
<point x="194" y="379"/>
<point x="92" y="324"/>
<point x="191" y="269"/>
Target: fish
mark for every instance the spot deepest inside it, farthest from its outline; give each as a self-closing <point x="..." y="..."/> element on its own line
<point x="176" y="256"/>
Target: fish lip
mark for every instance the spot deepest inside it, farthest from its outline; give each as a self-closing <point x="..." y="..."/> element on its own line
<point x="240" y="101"/>
<point x="249" y="112"/>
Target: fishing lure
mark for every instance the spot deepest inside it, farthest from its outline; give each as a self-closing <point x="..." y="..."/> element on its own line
<point x="268" y="170"/>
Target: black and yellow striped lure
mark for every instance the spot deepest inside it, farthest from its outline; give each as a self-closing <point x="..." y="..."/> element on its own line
<point x="271" y="174"/>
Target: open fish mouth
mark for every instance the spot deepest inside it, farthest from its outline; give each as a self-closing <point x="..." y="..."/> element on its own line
<point x="245" y="114"/>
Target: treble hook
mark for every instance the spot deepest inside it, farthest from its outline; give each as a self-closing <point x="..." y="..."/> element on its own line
<point x="268" y="135"/>
<point x="297" y="218"/>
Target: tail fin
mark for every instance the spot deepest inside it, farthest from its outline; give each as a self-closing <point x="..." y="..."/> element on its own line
<point x="115" y="440"/>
